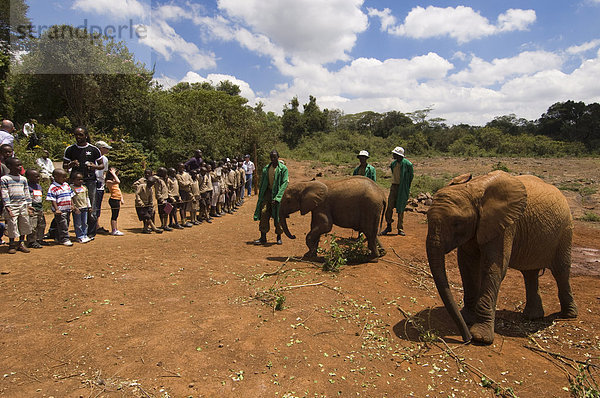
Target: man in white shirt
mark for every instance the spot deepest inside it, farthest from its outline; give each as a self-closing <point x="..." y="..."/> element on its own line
<point x="100" y="178"/>
<point x="46" y="166"/>
<point x="6" y="130"/>
<point x="249" y="168"/>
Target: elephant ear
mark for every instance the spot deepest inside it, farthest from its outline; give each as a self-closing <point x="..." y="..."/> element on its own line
<point x="461" y="179"/>
<point x="312" y="196"/>
<point x="502" y="203"/>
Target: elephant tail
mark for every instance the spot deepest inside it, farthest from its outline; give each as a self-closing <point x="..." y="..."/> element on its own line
<point x="383" y="213"/>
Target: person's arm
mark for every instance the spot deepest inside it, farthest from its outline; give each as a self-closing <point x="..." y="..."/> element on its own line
<point x="6" y="197"/>
<point x="50" y="198"/>
<point x="114" y="173"/>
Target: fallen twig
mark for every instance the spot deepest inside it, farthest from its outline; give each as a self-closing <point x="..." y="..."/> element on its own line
<point x="298" y="286"/>
<point x="264" y="274"/>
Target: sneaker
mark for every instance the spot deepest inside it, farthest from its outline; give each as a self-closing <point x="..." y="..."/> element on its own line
<point x="177" y="226"/>
<point x="158" y="231"/>
<point x="401" y="232"/>
<point x="209" y="221"/>
<point x="91" y="238"/>
<point x="43" y="243"/>
<point x="146" y="231"/>
<point x="102" y="230"/>
<point x="66" y="243"/>
<point x="12" y="248"/>
<point x="35" y="245"/>
<point x="117" y="233"/>
<point x="85" y="239"/>
<point x="279" y="242"/>
<point x="167" y="228"/>
<point x="188" y="225"/>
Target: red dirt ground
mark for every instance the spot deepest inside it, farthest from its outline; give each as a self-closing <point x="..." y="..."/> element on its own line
<point x="188" y="313"/>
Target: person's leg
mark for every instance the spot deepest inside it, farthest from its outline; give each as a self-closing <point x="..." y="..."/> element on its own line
<point x="401" y="223"/>
<point x="249" y="184"/>
<point x="24" y="225"/>
<point x="99" y="198"/>
<point x="91" y="221"/>
<point x="77" y="225"/>
<point x="84" y="224"/>
<point x="32" y="238"/>
<point x="389" y="212"/>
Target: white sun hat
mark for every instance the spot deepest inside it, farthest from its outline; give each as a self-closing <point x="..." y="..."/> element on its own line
<point x="363" y="153"/>
<point x="399" y="151"/>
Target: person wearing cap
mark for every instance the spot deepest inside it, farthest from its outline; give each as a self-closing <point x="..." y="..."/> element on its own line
<point x="402" y="176"/>
<point x="100" y="179"/>
<point x="365" y="169"/>
<point x="249" y="168"/>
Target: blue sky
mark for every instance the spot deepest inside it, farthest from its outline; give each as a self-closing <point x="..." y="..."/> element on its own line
<point x="470" y="61"/>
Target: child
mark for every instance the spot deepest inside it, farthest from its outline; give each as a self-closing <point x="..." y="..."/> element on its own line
<point x="173" y="186"/>
<point x="195" y="203"/>
<point x="216" y="191"/>
<point x="144" y="205"/>
<point x="37" y="220"/>
<point x="115" y="199"/>
<point x="206" y="188"/>
<point x="81" y="206"/>
<point x="60" y="194"/>
<point x="162" y="198"/>
<point x="185" y="193"/>
<point x="17" y="205"/>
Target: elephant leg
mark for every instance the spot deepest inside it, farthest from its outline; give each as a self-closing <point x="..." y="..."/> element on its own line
<point x="494" y="263"/>
<point x="533" y="306"/>
<point x="320" y="224"/>
<point x="468" y="265"/>
<point x="561" y="270"/>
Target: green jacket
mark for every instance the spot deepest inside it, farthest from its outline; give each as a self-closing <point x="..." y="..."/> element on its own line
<point x="280" y="183"/>
<point x="369" y="172"/>
<point x="406" y="177"/>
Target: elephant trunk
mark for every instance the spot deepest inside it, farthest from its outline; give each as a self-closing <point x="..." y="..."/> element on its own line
<point x="436" y="258"/>
<point x="284" y="226"/>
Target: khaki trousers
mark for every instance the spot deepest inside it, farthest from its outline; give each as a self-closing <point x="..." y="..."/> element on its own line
<point x="389" y="212"/>
<point x="266" y="210"/>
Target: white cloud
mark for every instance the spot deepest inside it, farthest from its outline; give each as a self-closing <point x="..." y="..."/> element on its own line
<point x="585" y="46"/>
<point x="483" y="73"/>
<point x="116" y="8"/>
<point x="313" y="30"/>
<point x="461" y="23"/>
<point x="385" y="16"/>
<point x="163" y="39"/>
<point x="214" y="79"/>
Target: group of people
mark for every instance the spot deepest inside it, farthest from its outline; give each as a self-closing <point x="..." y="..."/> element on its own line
<point x="192" y="193"/>
<point x="275" y="180"/>
<point x="402" y="176"/>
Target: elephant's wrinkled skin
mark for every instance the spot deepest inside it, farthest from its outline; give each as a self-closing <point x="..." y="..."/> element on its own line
<point x="498" y="221"/>
<point x="352" y="202"/>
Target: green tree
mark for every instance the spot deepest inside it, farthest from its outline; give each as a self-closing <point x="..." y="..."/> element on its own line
<point x="13" y="20"/>
<point x="293" y="127"/>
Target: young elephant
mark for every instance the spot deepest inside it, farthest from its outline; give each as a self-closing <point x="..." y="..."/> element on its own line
<point x="498" y="221"/>
<point x="351" y="202"/>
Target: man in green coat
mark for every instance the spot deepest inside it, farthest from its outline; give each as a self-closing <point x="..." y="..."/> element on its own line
<point x="273" y="183"/>
<point x="364" y="169"/>
<point x="402" y="176"/>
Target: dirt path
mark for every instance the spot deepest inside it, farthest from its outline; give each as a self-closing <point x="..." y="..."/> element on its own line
<point x="189" y="313"/>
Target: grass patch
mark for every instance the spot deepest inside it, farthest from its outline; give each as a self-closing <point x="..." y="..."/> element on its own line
<point x="579" y="187"/>
<point x="591" y="217"/>
<point x="344" y="251"/>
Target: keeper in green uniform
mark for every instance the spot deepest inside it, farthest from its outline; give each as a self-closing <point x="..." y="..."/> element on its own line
<point x="364" y="169"/>
<point x="273" y="183"/>
<point x="402" y="176"/>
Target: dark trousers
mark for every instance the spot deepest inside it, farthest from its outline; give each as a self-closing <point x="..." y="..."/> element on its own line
<point x="92" y="221"/>
<point x="99" y="198"/>
<point x="62" y="225"/>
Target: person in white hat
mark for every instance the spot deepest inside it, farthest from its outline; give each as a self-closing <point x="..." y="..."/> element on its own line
<point x="402" y="176"/>
<point x="100" y="179"/>
<point x="364" y="169"/>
